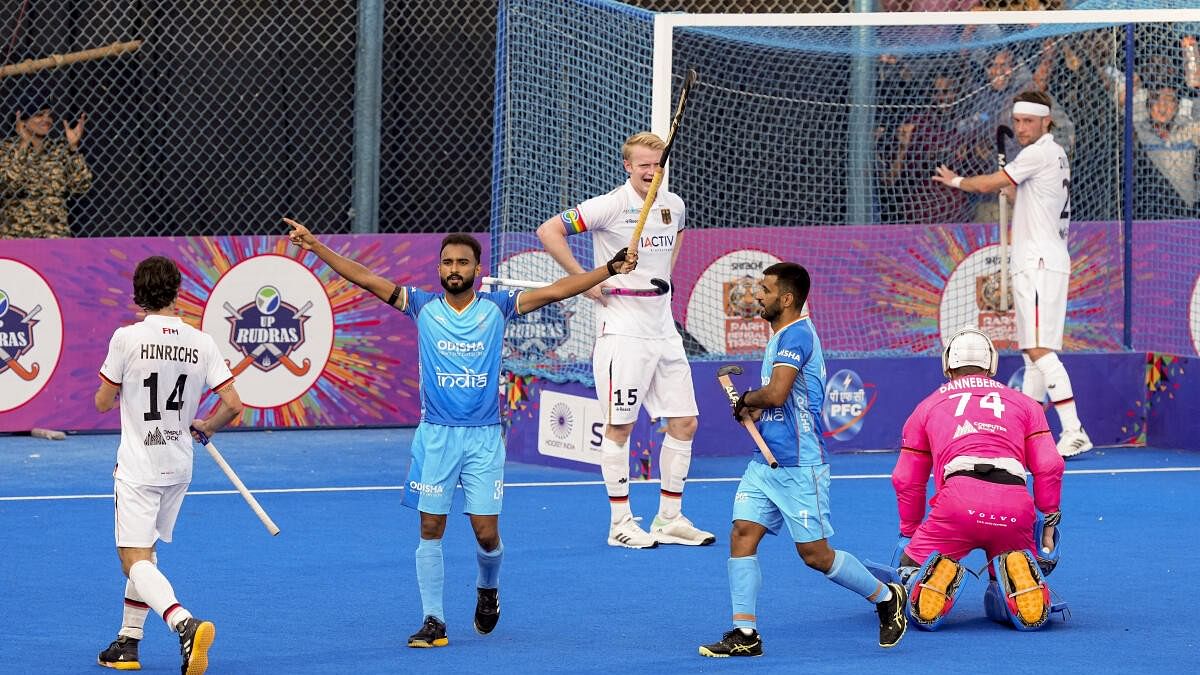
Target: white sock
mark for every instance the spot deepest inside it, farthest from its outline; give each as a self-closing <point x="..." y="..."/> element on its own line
<point x="614" y="466"/>
<point x="133" y="618"/>
<point x="157" y="592"/>
<point x="1033" y="384"/>
<point x="674" y="460"/>
<point x="1058" y="385"/>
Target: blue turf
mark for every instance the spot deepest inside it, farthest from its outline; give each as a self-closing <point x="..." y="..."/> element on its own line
<point x="336" y="591"/>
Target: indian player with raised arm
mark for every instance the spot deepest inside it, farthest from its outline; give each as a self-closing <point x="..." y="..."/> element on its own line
<point x="787" y="411"/>
<point x="161" y="368"/>
<point x="978" y="437"/>
<point x="639" y="357"/>
<point x="1041" y="264"/>
<point x="458" y="440"/>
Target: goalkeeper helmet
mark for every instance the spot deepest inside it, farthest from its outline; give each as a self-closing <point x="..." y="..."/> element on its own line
<point x="970" y="347"/>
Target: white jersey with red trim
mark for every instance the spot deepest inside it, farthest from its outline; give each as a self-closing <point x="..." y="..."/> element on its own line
<point x="163" y="367"/>
<point x="1041" y="215"/>
<point x="611" y="219"/>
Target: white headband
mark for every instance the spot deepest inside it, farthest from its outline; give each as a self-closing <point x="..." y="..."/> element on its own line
<point x="1030" y="108"/>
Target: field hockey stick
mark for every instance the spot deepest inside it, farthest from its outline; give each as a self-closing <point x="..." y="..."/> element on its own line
<point x="731" y="392"/>
<point x="648" y="202"/>
<point x="237" y="482"/>
<point x="1001" y="132"/>
<point x="657" y="286"/>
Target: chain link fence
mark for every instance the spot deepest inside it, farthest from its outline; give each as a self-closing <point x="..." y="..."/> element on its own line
<point x="226" y="116"/>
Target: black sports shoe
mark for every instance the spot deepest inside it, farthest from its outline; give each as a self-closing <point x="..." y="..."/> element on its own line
<point x="122" y="654"/>
<point x="487" y="610"/>
<point x="432" y="634"/>
<point x="893" y="622"/>
<point x="734" y="643"/>
<point x="195" y="637"/>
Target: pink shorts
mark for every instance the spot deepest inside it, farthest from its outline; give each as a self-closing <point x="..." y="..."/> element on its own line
<point x="969" y="513"/>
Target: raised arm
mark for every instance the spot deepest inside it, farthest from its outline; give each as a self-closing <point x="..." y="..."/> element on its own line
<point x="574" y="284"/>
<point x="350" y="270"/>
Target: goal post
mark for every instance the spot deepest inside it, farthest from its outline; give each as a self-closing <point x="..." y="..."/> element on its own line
<point x="812" y="138"/>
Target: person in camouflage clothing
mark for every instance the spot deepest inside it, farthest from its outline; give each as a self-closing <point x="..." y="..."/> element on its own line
<point x="37" y="176"/>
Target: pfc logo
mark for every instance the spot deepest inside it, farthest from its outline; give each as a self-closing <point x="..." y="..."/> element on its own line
<point x="266" y="331"/>
<point x="273" y="323"/>
<point x="31" y="333"/>
<point x="847" y="401"/>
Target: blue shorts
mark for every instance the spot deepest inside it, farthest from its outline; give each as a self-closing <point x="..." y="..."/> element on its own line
<point x="795" y="495"/>
<point x="444" y="457"/>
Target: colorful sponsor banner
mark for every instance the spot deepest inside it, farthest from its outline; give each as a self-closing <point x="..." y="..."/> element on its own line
<point x="308" y="347"/>
<point x="867" y="401"/>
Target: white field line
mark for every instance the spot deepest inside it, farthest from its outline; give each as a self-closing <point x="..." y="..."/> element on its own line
<point x="570" y="483"/>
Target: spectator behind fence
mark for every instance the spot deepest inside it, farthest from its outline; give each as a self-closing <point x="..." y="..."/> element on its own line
<point x="38" y="174"/>
<point x="1165" y="168"/>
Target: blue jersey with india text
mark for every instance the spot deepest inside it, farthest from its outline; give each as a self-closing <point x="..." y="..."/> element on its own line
<point x="794" y="431"/>
<point x="460" y="355"/>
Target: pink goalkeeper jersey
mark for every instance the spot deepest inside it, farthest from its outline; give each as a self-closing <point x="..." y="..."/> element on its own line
<point x="976" y="417"/>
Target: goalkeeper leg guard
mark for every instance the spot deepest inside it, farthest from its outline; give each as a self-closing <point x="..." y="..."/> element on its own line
<point x="933" y="590"/>
<point x="1021" y="596"/>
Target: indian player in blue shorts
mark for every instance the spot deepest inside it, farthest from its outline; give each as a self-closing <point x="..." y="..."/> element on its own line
<point x="787" y="412"/>
<point x="458" y="441"/>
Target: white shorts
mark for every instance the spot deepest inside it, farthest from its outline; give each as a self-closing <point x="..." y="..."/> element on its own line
<point x="1040" y="301"/>
<point x="631" y="372"/>
<point x="146" y="513"/>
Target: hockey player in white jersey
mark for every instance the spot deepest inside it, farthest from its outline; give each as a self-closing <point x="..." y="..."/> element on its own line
<point x="160" y="368"/>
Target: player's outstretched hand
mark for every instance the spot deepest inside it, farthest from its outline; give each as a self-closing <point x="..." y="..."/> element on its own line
<point x="624" y="262"/>
<point x="944" y="175"/>
<point x="300" y="236"/>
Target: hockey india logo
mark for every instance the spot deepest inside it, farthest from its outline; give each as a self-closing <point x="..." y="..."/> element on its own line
<point x="972" y="298"/>
<point x="562" y="420"/>
<point x="722" y="312"/>
<point x="276" y="336"/>
<point x="31" y="333"/>
<point x="847" y="402"/>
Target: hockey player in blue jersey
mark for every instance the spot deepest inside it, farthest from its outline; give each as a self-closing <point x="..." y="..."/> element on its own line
<point x="460" y="337"/>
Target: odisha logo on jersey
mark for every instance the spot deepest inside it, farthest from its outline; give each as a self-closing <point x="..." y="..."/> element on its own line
<point x="266" y="332"/>
<point x="846" y="404"/>
<point x="16" y="337"/>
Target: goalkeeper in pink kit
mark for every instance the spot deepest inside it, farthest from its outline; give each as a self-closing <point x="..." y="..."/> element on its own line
<point x="979" y="438"/>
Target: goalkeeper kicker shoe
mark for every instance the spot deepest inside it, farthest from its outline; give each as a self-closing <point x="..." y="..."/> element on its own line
<point x="195" y="637"/>
<point x="734" y="643"/>
<point x="629" y="534"/>
<point x="679" y="530"/>
<point x="487" y="610"/>
<point x="892" y="621"/>
<point x="432" y="634"/>
<point x="122" y="654"/>
<point x="1074" y="442"/>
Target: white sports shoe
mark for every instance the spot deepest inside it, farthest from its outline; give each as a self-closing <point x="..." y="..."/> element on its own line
<point x="629" y="534"/>
<point x="679" y="530"/>
<point x="1073" y="443"/>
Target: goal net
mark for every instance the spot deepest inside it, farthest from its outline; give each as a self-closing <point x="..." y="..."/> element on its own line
<point x="812" y="138"/>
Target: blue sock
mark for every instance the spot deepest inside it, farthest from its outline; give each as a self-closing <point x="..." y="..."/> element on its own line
<point x="848" y="572"/>
<point x="431" y="577"/>
<point x="745" y="578"/>
<point x="489" y="566"/>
